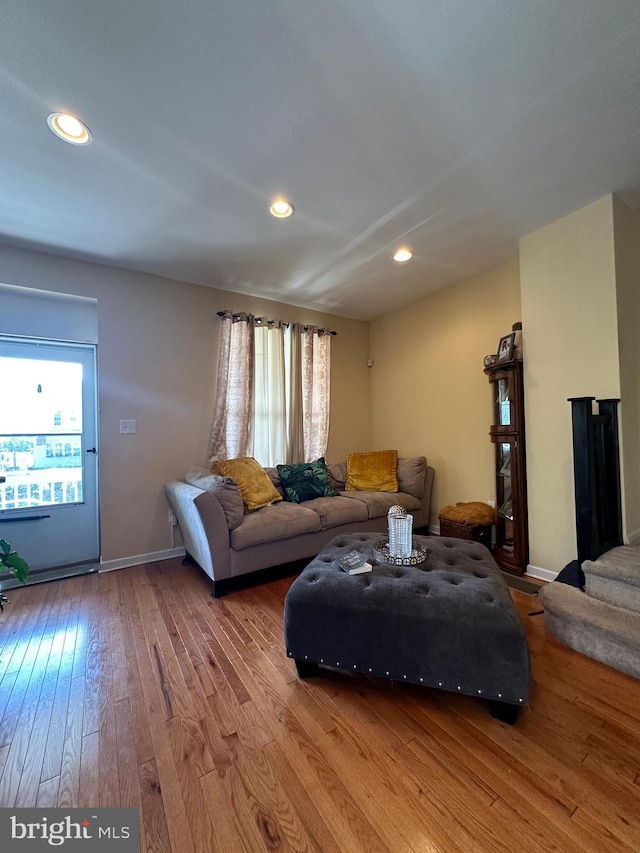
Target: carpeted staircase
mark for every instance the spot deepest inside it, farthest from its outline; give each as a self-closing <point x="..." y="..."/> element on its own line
<point x="603" y="622"/>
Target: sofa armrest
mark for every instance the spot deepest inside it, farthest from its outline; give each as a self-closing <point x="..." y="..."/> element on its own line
<point x="421" y="517"/>
<point x="216" y="530"/>
<point x="426" y="497"/>
<point x="182" y="498"/>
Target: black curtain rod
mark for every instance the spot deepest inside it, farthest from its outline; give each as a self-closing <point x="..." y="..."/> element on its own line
<point x="305" y="326"/>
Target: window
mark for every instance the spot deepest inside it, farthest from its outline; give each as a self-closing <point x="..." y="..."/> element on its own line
<point x="273" y="391"/>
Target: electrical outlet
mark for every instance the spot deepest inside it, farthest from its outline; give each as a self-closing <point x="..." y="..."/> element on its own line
<point x="172" y="519"/>
<point x="127" y="427"/>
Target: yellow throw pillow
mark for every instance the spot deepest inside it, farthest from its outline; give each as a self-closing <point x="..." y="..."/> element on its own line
<point x="375" y="472"/>
<point x="254" y="483"/>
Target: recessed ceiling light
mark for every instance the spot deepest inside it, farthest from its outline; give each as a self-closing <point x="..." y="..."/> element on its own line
<point x="281" y="208"/>
<point x="69" y="128"/>
<point x="403" y="255"/>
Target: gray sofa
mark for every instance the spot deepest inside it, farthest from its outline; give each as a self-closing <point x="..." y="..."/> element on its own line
<point x="226" y="542"/>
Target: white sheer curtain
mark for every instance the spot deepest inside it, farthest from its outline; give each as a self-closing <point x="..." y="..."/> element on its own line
<point x="268" y="422"/>
<point x="272" y="399"/>
<point x="294" y="395"/>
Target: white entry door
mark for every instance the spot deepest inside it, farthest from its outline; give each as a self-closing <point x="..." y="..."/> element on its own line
<point x="48" y="455"/>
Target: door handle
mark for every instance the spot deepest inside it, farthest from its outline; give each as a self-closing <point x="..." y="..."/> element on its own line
<point x="24" y="518"/>
<point x="92" y="450"/>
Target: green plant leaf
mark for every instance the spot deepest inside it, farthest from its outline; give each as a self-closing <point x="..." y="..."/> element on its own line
<point x="17" y="565"/>
<point x="4" y="546"/>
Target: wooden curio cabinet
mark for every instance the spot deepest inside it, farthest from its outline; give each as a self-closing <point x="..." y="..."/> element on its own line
<point x="507" y="434"/>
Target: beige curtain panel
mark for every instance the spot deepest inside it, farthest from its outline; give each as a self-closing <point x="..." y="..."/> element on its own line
<point x="273" y="391"/>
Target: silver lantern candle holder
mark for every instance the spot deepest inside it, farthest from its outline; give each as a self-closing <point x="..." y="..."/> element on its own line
<point x="400" y="532"/>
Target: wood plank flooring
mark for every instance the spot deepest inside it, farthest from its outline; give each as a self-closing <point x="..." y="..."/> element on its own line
<point x="136" y="688"/>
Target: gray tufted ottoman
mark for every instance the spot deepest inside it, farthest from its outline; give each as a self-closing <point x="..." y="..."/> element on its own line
<point x="448" y="623"/>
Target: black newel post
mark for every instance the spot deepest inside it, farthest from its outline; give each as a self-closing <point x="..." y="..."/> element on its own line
<point x="596" y="473"/>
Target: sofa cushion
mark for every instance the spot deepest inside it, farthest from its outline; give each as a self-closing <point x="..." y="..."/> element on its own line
<point x="338" y="475"/>
<point x="334" y="511"/>
<point x="306" y="481"/>
<point x="377" y="471"/>
<point x="379" y="503"/>
<point x="253" y="481"/>
<point x="411" y="475"/>
<point x="275" y="479"/>
<point x="225" y="489"/>
<point x="276" y="521"/>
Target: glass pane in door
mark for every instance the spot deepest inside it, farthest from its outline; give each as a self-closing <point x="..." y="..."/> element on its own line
<point x="40" y="433"/>
<point x="504" y="527"/>
<point x="503" y="402"/>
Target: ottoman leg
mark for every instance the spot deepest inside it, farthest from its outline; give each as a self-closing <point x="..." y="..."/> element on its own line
<point x="503" y="711"/>
<point x="306" y="669"/>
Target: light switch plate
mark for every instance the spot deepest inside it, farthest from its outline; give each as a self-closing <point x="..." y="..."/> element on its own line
<point x="127" y="427"/>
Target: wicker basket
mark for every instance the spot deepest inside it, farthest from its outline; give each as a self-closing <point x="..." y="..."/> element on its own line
<point x="475" y="532"/>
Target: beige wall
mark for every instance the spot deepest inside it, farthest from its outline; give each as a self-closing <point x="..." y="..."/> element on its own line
<point x="159" y="339"/>
<point x="627" y="260"/>
<point x="567" y="274"/>
<point x="428" y="391"/>
<point x="158" y="343"/>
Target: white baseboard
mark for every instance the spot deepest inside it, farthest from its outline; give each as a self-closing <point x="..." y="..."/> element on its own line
<point x="540" y="574"/>
<point x="168" y="553"/>
<point x="532" y="571"/>
<point x="633" y="537"/>
<point x="138" y="559"/>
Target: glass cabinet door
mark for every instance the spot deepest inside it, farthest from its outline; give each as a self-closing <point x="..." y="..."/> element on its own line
<point x="507" y="433"/>
<point x="505" y="528"/>
<point x="503" y="404"/>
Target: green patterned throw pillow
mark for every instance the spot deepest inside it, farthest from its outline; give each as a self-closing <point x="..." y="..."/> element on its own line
<point x="306" y="481"/>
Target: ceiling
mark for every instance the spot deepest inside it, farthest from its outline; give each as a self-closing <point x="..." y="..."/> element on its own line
<point x="451" y="126"/>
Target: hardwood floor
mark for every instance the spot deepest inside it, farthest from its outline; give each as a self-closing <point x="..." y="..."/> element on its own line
<point x="136" y="688"/>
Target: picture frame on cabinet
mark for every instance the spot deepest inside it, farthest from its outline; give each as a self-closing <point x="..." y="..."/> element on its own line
<point x="505" y="347"/>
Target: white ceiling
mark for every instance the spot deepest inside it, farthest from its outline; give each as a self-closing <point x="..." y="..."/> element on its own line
<point x="454" y="126"/>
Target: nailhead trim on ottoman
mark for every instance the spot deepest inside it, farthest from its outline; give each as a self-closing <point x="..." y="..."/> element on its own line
<point x="448" y="623"/>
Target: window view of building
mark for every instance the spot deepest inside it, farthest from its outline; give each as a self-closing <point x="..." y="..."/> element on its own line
<point x="41" y="434"/>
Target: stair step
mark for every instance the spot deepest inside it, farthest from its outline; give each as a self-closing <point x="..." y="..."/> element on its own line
<point x="594" y="628"/>
<point x="619" y="593"/>
<point x="622" y="564"/>
<point x="615" y="577"/>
